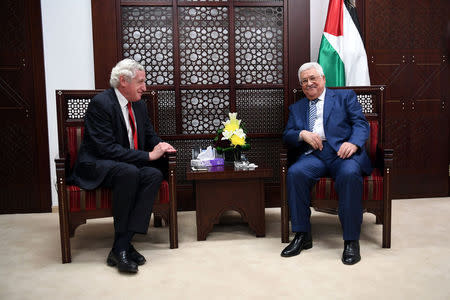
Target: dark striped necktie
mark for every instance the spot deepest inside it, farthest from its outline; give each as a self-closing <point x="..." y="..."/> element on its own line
<point x="312" y="113"/>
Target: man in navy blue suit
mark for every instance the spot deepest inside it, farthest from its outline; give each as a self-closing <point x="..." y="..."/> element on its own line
<point x="329" y="130"/>
<point x="121" y="151"/>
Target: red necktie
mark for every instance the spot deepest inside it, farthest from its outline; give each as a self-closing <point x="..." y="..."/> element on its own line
<point x="133" y="127"/>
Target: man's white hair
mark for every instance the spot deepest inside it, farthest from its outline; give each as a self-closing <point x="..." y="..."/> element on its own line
<point x="310" y="65"/>
<point x="127" y="68"/>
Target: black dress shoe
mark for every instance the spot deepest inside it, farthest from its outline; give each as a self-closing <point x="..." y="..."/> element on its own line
<point x="136" y="256"/>
<point x="122" y="261"/>
<point x="351" y="255"/>
<point x="302" y="240"/>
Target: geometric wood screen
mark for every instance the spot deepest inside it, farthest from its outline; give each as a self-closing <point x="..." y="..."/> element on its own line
<point x="209" y="58"/>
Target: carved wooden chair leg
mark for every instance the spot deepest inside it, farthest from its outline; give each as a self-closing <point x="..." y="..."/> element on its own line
<point x="387" y="225"/>
<point x="378" y="220"/>
<point x="157" y="220"/>
<point x="64" y="229"/>
<point x="284" y="224"/>
<point x="173" y="223"/>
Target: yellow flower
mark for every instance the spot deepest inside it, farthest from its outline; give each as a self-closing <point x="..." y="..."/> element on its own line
<point x="237" y="140"/>
<point x="230" y="127"/>
<point x="232" y="124"/>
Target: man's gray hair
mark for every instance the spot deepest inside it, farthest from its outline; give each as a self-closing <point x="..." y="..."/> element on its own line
<point x="310" y="65"/>
<point x="127" y="68"/>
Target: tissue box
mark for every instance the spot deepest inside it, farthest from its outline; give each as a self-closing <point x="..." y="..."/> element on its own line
<point x="207" y="163"/>
<point x="218" y="161"/>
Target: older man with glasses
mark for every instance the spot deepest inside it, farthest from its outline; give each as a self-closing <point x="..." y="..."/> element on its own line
<point x="330" y="130"/>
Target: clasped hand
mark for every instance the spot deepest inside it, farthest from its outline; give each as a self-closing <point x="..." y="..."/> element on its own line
<point x="160" y="149"/>
<point x="345" y="151"/>
<point x="313" y="139"/>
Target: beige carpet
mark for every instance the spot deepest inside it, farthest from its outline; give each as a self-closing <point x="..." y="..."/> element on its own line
<point x="232" y="263"/>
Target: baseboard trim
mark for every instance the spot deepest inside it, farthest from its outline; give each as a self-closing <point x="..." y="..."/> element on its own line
<point x="55" y="209"/>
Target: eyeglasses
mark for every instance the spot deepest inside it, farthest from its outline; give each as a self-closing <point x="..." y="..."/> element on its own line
<point x="313" y="79"/>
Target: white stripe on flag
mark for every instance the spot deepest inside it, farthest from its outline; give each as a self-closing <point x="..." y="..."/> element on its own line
<point x="351" y="51"/>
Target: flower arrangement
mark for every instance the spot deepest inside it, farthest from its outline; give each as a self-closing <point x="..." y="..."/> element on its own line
<point x="232" y="137"/>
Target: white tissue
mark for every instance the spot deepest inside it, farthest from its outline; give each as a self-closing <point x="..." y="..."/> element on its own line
<point x="207" y="154"/>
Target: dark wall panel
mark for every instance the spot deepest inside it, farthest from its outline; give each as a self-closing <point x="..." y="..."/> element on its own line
<point x="24" y="163"/>
<point x="406" y="47"/>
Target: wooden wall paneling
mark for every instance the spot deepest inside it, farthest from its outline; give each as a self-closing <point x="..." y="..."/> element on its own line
<point x="24" y="172"/>
<point x="429" y="119"/>
<point x="40" y="107"/>
<point x="405" y="43"/>
<point x="414" y="119"/>
<point x="360" y="8"/>
<point x="299" y="46"/>
<point x="104" y="34"/>
<point x="393" y="70"/>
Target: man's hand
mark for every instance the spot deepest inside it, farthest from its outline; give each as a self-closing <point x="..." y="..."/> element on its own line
<point x="346" y="150"/>
<point x="312" y="138"/>
<point x="160" y="149"/>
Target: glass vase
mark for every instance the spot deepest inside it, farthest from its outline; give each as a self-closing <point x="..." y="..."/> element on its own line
<point x="231" y="156"/>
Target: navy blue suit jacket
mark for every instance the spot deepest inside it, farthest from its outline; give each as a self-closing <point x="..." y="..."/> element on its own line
<point x="105" y="140"/>
<point x="343" y="121"/>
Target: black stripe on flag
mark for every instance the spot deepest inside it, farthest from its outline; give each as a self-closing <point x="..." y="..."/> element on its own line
<point x="352" y="10"/>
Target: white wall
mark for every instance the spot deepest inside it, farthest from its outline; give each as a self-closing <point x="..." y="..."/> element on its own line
<point x="318" y="16"/>
<point x="69" y="58"/>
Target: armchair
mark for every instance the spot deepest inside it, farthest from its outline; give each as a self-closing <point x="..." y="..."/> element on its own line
<point x="76" y="205"/>
<point x="376" y="187"/>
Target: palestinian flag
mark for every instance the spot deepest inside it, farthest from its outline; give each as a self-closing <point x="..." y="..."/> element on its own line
<point x="342" y="54"/>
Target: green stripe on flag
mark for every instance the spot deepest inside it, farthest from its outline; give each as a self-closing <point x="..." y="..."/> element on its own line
<point x="332" y="65"/>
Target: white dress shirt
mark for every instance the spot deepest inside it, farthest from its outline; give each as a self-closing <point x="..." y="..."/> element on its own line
<point x="318" y="124"/>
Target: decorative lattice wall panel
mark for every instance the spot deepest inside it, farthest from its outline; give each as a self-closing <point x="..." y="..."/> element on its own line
<point x="204" y="45"/>
<point x="259" y="45"/>
<point x="147" y="37"/>
<point x="207" y="58"/>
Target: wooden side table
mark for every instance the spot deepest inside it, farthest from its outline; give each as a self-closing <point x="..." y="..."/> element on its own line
<point x="221" y="188"/>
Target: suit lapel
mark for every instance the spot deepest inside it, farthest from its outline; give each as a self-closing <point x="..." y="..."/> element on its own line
<point x="327" y="106"/>
<point x="118" y="109"/>
<point x="304" y="117"/>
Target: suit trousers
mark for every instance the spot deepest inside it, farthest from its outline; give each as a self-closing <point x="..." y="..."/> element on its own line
<point x="347" y="175"/>
<point x="134" y="190"/>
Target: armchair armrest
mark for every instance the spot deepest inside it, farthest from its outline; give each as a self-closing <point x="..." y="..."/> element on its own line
<point x="172" y="158"/>
<point x="60" y="164"/>
<point x="63" y="207"/>
<point x="283" y="156"/>
<point x="283" y="196"/>
<point x="388" y="160"/>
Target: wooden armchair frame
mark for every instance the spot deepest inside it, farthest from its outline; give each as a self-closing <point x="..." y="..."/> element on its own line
<point x="371" y="99"/>
<point x="71" y="107"/>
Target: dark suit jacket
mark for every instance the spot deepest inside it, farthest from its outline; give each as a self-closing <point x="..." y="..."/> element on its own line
<point x="343" y="121"/>
<point x="105" y="140"/>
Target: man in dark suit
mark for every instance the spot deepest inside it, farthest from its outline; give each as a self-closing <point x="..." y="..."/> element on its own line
<point x="329" y="130"/>
<point x="120" y="151"/>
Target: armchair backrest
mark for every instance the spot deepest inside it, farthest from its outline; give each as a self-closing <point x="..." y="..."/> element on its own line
<point x="371" y="99"/>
